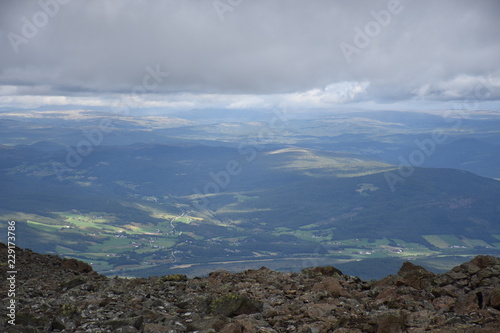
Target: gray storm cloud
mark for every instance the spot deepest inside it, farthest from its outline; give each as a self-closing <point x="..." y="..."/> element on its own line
<point x="385" y="50"/>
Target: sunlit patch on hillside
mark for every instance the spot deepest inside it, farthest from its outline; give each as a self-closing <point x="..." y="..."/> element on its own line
<point x="321" y="164"/>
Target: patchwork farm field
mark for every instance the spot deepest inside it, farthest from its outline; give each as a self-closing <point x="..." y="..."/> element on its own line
<point x="453" y="241"/>
<point x="135" y="249"/>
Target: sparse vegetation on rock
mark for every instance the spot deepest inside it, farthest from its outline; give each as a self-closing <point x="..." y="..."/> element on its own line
<point x="63" y="295"/>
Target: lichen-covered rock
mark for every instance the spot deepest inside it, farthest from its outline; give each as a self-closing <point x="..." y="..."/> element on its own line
<point x="175" y="278"/>
<point x="392" y="322"/>
<point x="416" y="276"/>
<point x="321" y="271"/>
<point x="76" y="265"/>
<point x="233" y="304"/>
<point x="494" y="298"/>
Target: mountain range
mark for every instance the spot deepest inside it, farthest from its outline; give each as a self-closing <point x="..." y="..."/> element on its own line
<point x="148" y="195"/>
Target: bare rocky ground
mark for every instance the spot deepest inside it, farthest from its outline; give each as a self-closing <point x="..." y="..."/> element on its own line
<point x="65" y="295"/>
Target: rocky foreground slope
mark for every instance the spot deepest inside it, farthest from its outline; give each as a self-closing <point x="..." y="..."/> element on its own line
<point x="66" y="295"/>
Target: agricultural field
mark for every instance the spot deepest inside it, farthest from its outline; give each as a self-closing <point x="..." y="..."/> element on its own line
<point x="436" y="241"/>
<point x="114" y="246"/>
<point x="175" y="236"/>
<point x="104" y="239"/>
<point x="456" y="242"/>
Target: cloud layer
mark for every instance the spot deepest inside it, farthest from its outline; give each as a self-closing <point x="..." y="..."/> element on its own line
<point x="246" y="54"/>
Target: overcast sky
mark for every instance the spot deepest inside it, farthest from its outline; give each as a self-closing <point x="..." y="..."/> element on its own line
<point x="249" y="53"/>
